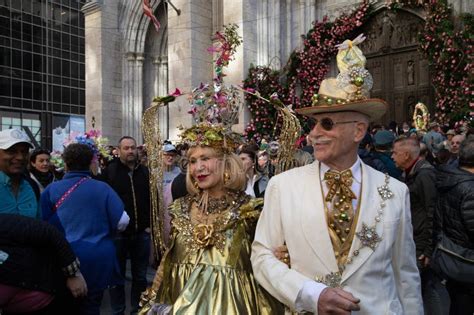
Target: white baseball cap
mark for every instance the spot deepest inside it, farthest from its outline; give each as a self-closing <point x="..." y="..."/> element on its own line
<point x="169" y="148"/>
<point x="10" y="137"/>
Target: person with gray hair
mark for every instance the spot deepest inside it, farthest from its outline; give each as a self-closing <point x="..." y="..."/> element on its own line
<point x="455" y="146"/>
<point x="346" y="226"/>
<point x="419" y="175"/>
<point x="454" y="225"/>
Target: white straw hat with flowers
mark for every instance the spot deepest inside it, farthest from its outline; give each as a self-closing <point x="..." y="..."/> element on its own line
<point x="350" y="90"/>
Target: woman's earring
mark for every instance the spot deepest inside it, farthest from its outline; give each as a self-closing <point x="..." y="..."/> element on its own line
<point x="226" y="178"/>
<point x="196" y="185"/>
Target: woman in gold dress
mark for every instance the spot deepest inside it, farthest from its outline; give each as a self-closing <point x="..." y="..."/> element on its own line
<point x="207" y="269"/>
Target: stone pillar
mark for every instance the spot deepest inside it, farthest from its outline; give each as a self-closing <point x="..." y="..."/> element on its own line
<point x="103" y="70"/>
<point x="262" y="32"/>
<point x="163" y="90"/>
<point x="276" y="38"/>
<point x="156" y="77"/>
<point x="235" y="12"/>
<point x="163" y="75"/>
<point x="136" y="131"/>
<point x="189" y="36"/>
<point x="160" y="88"/>
<point x="289" y="28"/>
<point x="128" y="100"/>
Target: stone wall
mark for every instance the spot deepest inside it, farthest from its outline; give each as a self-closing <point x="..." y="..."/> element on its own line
<point x="124" y="69"/>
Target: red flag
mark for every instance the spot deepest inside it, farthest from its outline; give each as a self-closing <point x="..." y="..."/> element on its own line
<point x="149" y="12"/>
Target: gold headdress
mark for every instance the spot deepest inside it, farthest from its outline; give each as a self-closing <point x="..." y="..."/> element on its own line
<point x="214" y="109"/>
<point x="217" y="137"/>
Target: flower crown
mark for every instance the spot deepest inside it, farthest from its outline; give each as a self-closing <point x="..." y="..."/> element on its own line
<point x="94" y="140"/>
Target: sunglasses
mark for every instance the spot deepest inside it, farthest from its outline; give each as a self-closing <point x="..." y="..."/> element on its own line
<point x="327" y="123"/>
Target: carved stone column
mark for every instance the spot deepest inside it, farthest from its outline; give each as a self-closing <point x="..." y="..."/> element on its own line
<point x="289" y="22"/>
<point x="128" y="102"/>
<point x="103" y="68"/>
<point x="163" y="75"/>
<point x="138" y="103"/>
<point x="262" y="32"/>
<point x="160" y="88"/>
<point x="276" y="39"/>
<point x="156" y="77"/>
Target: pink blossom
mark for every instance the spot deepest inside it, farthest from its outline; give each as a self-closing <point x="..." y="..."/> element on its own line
<point x="177" y="93"/>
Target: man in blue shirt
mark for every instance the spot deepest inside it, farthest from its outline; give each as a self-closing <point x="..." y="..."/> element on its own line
<point x="16" y="193"/>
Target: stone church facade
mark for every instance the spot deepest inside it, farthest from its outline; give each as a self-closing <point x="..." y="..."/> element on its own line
<point x="128" y="62"/>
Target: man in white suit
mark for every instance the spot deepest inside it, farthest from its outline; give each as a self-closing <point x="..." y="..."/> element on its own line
<point x="347" y="227"/>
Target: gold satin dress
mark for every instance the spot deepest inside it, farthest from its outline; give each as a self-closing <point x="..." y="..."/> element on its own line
<point x="207" y="268"/>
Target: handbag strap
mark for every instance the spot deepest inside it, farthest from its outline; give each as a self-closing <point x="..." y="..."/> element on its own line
<point x="68" y="193"/>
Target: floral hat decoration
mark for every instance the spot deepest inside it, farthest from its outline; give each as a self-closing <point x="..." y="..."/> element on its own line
<point x="94" y="140"/>
<point x="350" y="90"/>
<point x="215" y="107"/>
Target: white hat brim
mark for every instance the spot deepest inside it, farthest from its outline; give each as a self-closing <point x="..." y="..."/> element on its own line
<point x="8" y="145"/>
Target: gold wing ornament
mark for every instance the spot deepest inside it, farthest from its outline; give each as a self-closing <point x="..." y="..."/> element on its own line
<point x="290" y="131"/>
<point x="154" y="144"/>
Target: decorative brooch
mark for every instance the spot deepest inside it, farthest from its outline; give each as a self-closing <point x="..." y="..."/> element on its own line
<point x="332" y="280"/>
<point x="368" y="236"/>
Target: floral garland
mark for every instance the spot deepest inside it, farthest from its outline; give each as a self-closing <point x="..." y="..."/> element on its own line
<point x="305" y="71"/>
<point x="265" y="116"/>
<point x="450" y="53"/>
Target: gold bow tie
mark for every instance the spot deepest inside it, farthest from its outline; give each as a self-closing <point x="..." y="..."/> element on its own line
<point x="339" y="183"/>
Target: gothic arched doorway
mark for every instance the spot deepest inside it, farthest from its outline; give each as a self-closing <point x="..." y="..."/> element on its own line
<point x="401" y="74"/>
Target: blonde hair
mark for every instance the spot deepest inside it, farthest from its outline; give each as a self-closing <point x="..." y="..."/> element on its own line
<point x="232" y="166"/>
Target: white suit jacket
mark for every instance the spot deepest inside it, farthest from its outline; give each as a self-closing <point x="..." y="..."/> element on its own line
<point x="385" y="280"/>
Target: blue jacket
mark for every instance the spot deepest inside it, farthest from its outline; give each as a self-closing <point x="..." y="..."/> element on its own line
<point x="88" y="217"/>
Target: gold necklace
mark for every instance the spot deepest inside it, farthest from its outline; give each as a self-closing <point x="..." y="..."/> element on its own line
<point x="208" y="204"/>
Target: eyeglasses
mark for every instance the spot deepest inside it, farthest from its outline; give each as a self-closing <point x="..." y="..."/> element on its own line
<point x="327" y="123"/>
